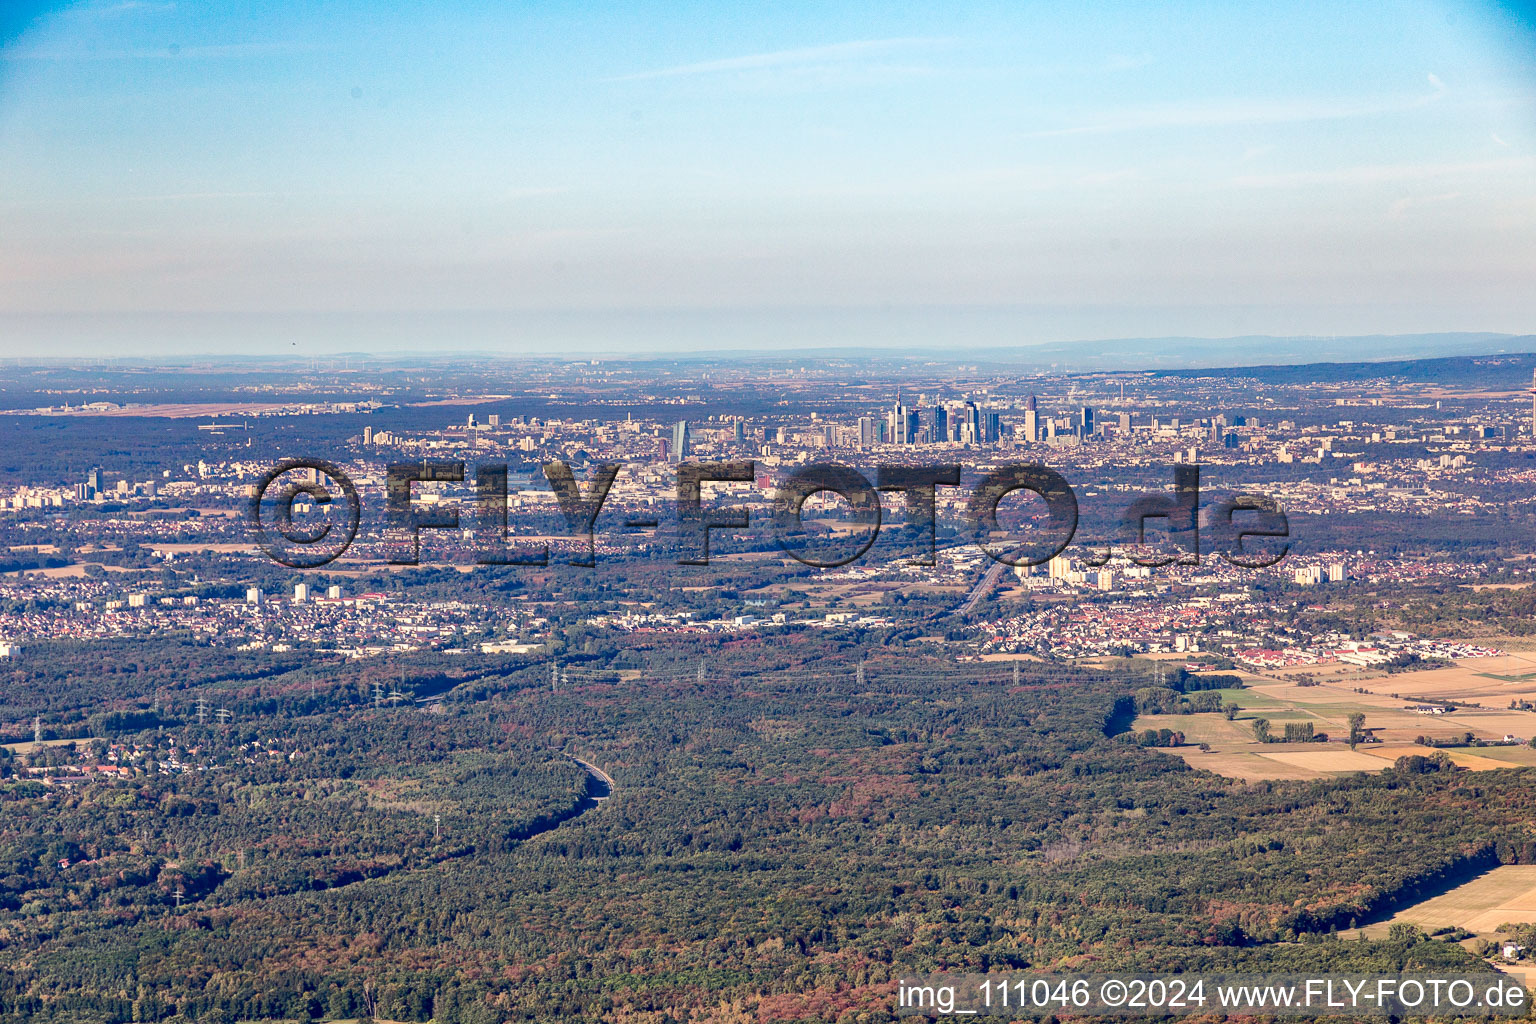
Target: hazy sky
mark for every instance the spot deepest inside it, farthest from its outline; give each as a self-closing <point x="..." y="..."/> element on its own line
<point x="667" y="175"/>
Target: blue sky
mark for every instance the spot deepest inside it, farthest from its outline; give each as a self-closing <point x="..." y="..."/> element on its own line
<point x="555" y="177"/>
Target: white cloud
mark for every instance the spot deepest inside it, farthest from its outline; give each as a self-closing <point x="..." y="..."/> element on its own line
<point x="834" y="53"/>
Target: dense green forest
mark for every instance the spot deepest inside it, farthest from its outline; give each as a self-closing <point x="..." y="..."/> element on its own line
<point x="781" y="843"/>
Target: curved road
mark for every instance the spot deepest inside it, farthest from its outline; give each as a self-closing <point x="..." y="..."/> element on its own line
<point x="604" y="780"/>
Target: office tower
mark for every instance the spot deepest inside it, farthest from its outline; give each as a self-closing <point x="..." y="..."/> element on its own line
<point x="936" y="422"/>
<point x="1125" y="423"/>
<point x="680" y="441"/>
<point x="739" y="431"/>
<point x="663" y="449"/>
<point x="471" y="421"/>
<point x="1031" y="420"/>
<point x="367" y="435"/>
<point x="494" y="419"/>
<point x="868" y="434"/>
<point x="973" y="421"/>
<point x="992" y="425"/>
<point x="93" y="481"/>
<point x="1087" y="421"/>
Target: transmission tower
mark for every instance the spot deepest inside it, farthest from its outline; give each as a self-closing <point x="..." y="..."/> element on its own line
<point x="37" y="731"/>
<point x="1015" y="673"/>
<point x="224" y="715"/>
<point x="396" y="696"/>
<point x="554" y="677"/>
<point x="860" y="676"/>
<point x="702" y="671"/>
<point x="202" y="710"/>
<point x="378" y="695"/>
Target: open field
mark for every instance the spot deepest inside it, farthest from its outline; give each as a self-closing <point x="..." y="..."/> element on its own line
<point x="1255" y="762"/>
<point x="1324" y="761"/>
<point x="1505" y="895"/>
<point x="1523" y="756"/>
<point x="1493" y="682"/>
<point x="1245" y="765"/>
<point x="27" y="745"/>
<point x="1235" y="754"/>
<point x="1464" y="757"/>
<point x="1390" y="717"/>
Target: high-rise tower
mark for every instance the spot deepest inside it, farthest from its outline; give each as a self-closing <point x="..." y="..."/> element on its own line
<point x="680" y="441"/>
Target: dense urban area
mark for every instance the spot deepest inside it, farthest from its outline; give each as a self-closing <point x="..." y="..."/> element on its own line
<point x="599" y="716"/>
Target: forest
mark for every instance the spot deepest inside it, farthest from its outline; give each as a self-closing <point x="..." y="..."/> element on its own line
<point x="782" y="841"/>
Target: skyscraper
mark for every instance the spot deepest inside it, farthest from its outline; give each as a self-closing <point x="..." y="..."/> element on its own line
<point x="1031" y="420"/>
<point x="680" y="441"/>
<point x="936" y="423"/>
<point x="93" y="481"/>
<point x="970" y="428"/>
<point x="1087" y="421"/>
